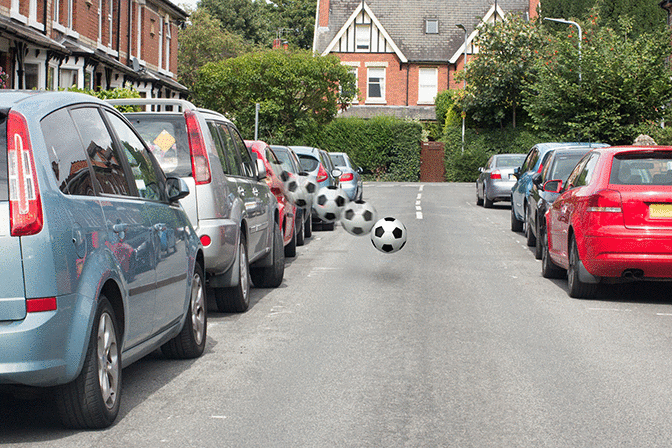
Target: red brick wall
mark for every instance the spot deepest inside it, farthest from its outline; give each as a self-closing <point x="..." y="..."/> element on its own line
<point x="151" y="23"/>
<point x="85" y="20"/>
<point x="323" y="13"/>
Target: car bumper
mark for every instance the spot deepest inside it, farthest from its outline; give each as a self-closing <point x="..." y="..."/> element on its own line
<point x="616" y="256"/>
<point x="350" y="190"/>
<point x="221" y="252"/>
<point x="499" y="191"/>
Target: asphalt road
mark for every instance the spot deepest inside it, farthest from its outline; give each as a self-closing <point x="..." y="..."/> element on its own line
<point x="455" y="341"/>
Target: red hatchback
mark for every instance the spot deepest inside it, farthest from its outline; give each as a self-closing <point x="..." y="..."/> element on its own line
<point x="613" y="220"/>
<point x="286" y="208"/>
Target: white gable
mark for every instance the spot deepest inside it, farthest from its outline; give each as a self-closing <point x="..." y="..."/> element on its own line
<point x="363" y="33"/>
<point x="489" y="18"/>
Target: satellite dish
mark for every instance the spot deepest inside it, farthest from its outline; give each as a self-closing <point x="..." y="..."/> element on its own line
<point x="136" y="64"/>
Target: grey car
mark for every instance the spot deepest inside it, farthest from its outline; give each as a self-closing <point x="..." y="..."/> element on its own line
<point x="496" y="179"/>
<point x="86" y="287"/>
<point x="290" y="163"/>
<point x="231" y="206"/>
<point x="350" y="179"/>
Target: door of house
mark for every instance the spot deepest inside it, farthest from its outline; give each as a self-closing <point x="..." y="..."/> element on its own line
<point x="432" y="168"/>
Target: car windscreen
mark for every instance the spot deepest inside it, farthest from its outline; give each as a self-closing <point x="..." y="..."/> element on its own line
<point x="337" y="160"/>
<point x="642" y="169"/>
<point x="166" y="136"/>
<point x="285" y="160"/>
<point x="509" y="162"/>
<point x="564" y="164"/>
<point x="308" y="163"/>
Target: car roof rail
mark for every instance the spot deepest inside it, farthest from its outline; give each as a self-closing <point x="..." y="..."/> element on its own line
<point x="180" y="104"/>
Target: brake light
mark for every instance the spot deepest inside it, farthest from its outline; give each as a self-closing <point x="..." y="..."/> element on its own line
<point x="607" y="201"/>
<point x="322" y="174"/>
<point x="345" y="177"/>
<point x="25" y="204"/>
<point x="205" y="240"/>
<point x="42" y="304"/>
<point x="496" y="175"/>
<point x="200" y="167"/>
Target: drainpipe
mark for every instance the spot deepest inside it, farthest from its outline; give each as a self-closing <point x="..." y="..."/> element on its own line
<point x="408" y="74"/>
<point x="118" y="29"/>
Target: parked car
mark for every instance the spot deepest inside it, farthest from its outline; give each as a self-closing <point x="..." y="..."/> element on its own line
<point x="496" y="179"/>
<point x="288" y="214"/>
<point x="613" y="220"/>
<point x="292" y="166"/>
<point x="532" y="164"/>
<point x="350" y="180"/>
<point x="231" y="207"/>
<point x="316" y="163"/>
<point x="85" y="284"/>
<point x="557" y="165"/>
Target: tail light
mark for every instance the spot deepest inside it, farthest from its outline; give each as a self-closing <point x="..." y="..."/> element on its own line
<point x="496" y="174"/>
<point x="205" y="240"/>
<point x="200" y="167"/>
<point x="608" y="201"/>
<point x="346" y="177"/>
<point x="322" y="174"/>
<point x="25" y="204"/>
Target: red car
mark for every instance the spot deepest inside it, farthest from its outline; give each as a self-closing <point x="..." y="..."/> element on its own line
<point x="613" y="220"/>
<point x="286" y="207"/>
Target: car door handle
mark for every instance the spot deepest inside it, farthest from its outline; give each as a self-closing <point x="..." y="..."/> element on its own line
<point x="255" y="191"/>
<point x="241" y="191"/>
<point x="120" y="227"/>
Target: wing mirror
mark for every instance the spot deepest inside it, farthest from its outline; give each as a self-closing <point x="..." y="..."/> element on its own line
<point x="176" y="189"/>
<point x="516" y="172"/>
<point x="336" y="173"/>
<point x="261" y="170"/>
<point x="553" y="186"/>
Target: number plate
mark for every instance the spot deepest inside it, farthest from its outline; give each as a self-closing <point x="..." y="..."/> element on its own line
<point x="660" y="210"/>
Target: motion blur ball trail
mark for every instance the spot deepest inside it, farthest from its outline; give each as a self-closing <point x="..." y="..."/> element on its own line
<point x="388" y="235"/>
<point x="329" y="203"/>
<point x="358" y="218"/>
<point x="307" y="188"/>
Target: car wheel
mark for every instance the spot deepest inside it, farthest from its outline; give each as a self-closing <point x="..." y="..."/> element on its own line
<point x="92" y="400"/>
<point x="577" y="288"/>
<point x="328" y="226"/>
<point x="290" y="248"/>
<point x="190" y="342"/>
<point x="271" y="276"/>
<point x="479" y="199"/>
<point x="538" y="244"/>
<point x="308" y="225"/>
<point x="516" y="224"/>
<point x="237" y="298"/>
<point x="548" y="268"/>
<point x="300" y="232"/>
<point x="529" y="234"/>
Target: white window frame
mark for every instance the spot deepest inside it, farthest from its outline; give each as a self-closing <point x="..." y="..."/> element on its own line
<point x="363" y="37"/>
<point x="380" y="71"/>
<point x="427" y="87"/>
<point x="160" y="64"/>
<point x="139" y="39"/>
<point x="353" y="67"/>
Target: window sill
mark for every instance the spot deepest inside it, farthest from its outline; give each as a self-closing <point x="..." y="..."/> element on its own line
<point x="377" y="102"/>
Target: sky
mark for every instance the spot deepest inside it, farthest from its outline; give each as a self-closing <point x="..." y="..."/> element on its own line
<point x="185" y="3"/>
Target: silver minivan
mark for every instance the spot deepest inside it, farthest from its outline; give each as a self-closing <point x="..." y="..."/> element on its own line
<point x="231" y="206"/>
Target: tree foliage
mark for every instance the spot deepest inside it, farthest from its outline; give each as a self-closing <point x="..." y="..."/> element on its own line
<point x="625" y="83"/>
<point x="296" y="91"/>
<point x="294" y="20"/>
<point x="202" y="41"/>
<point x="496" y="77"/>
<point x="247" y="18"/>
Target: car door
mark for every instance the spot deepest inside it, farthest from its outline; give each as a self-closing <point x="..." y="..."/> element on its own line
<point x="519" y="189"/>
<point x="165" y="222"/>
<point x="129" y="239"/>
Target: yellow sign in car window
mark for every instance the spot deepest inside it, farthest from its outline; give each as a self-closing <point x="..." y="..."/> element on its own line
<point x="164" y="140"/>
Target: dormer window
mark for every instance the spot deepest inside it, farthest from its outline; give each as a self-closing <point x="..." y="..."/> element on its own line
<point x="363" y="37"/>
<point x="431" y="26"/>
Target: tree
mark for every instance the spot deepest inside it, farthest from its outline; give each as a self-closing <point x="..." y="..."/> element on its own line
<point x="625" y="84"/>
<point x="203" y="41"/>
<point x="247" y="18"/>
<point x="296" y="90"/>
<point x="296" y="20"/>
<point x="495" y="78"/>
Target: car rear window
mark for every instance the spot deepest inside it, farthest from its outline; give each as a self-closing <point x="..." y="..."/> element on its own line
<point x="509" y="162"/>
<point x="308" y="163"/>
<point x="166" y="136"/>
<point x="642" y="169"/>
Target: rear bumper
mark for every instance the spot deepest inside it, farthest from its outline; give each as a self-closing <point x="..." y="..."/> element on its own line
<point x="611" y="256"/>
<point x="499" y="190"/>
<point x="221" y="252"/>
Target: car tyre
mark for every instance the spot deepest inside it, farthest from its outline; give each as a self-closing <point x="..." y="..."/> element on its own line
<point x="300" y="232"/>
<point x="236" y="299"/>
<point x="328" y="226"/>
<point x="479" y="199"/>
<point x="92" y="400"/>
<point x="529" y="234"/>
<point x="190" y="342"/>
<point x="271" y="276"/>
<point x="290" y="248"/>
<point x="487" y="203"/>
<point x="538" y="248"/>
<point x="577" y="288"/>
<point x="308" y="225"/>
<point x="548" y="268"/>
<point x="516" y="224"/>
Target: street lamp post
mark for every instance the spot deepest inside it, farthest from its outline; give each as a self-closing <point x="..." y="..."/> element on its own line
<point x="569" y="22"/>
<point x="460" y="26"/>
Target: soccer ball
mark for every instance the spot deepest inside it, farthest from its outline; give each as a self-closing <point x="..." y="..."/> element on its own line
<point x="388" y="235"/>
<point x="329" y="203"/>
<point x="307" y="188"/>
<point x="358" y="217"/>
<point x="292" y="188"/>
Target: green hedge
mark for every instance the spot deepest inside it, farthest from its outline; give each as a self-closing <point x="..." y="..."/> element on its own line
<point x="387" y="148"/>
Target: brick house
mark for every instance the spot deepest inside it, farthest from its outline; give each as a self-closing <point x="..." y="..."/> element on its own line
<point x="51" y="44"/>
<point x="404" y="52"/>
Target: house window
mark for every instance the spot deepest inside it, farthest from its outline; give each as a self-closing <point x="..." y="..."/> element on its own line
<point x="161" y="45"/>
<point x="168" y="36"/>
<point x="68" y="77"/>
<point x="363" y="37"/>
<point x="109" y="23"/>
<point x="431" y="26"/>
<point x="427" y="85"/>
<point x="32" y="76"/>
<point x="354" y="69"/>
<point x="376" y="85"/>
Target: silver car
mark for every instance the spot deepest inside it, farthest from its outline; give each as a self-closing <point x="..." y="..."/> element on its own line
<point x="496" y="179"/>
<point x="350" y="179"/>
<point x="231" y="206"/>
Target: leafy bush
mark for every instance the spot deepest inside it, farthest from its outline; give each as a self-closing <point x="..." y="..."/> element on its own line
<point x="118" y="92"/>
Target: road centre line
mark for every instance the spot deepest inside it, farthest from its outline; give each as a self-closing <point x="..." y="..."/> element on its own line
<point x="609" y="309"/>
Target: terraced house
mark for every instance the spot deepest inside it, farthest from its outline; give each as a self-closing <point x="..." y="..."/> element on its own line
<point x="404" y="52"/>
<point x="51" y="44"/>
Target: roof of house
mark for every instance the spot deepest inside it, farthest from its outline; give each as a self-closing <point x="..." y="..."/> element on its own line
<point x="404" y="21"/>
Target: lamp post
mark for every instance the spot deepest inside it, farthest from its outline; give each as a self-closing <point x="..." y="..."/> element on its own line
<point x="460" y="26"/>
<point x="569" y="22"/>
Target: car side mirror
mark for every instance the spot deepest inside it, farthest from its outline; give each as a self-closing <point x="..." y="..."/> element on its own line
<point x="360" y="170"/>
<point x="536" y="179"/>
<point x="516" y="172"/>
<point x="176" y="189"/>
<point x="261" y="170"/>
<point x="553" y="186"/>
<point x="336" y="172"/>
